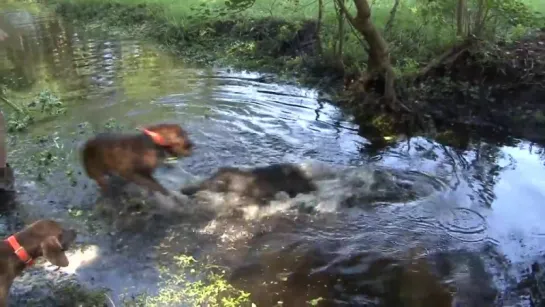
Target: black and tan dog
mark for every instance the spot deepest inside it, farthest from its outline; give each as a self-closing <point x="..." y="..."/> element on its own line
<point x="134" y="157"/>
<point x="42" y="238"/>
<point x="259" y="184"/>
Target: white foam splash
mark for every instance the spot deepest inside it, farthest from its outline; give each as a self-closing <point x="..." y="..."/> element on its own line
<point x="335" y="186"/>
<point x="76" y="259"/>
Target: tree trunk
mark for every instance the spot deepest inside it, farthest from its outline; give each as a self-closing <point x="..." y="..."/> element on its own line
<point x="460" y="17"/>
<point x="3" y="151"/>
<point x="338" y="46"/>
<point x="319" y="25"/>
<point x="341" y="32"/>
<point x="482" y="12"/>
<point x="379" y="57"/>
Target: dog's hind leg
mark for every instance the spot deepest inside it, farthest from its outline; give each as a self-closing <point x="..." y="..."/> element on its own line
<point x="102" y="182"/>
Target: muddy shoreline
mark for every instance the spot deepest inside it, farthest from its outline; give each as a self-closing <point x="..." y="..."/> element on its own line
<point x="495" y="89"/>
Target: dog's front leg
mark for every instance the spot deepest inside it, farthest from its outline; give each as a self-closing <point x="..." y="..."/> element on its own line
<point x="147" y="181"/>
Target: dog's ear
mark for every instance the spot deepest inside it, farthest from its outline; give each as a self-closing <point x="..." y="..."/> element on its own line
<point x="52" y="251"/>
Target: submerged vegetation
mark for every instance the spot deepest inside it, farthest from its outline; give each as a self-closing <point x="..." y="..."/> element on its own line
<point x="23" y="114"/>
<point x="67" y="292"/>
<point x="193" y="283"/>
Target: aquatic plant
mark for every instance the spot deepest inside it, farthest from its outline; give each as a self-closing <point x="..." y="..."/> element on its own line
<point x="195" y="283"/>
<point x="43" y="105"/>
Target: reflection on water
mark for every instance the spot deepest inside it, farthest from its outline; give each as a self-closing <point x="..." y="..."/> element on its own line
<point x="482" y="222"/>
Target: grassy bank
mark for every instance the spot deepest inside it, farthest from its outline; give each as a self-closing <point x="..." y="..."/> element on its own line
<point x="280" y="28"/>
<point x="281" y="36"/>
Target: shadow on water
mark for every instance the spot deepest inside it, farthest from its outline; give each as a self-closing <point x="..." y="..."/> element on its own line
<point x="414" y="223"/>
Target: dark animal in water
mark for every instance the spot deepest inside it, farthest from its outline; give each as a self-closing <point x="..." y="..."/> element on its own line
<point x="260" y="184"/>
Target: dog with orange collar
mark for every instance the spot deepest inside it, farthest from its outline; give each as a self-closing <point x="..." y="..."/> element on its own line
<point x="134" y="157"/>
<point x="45" y="238"/>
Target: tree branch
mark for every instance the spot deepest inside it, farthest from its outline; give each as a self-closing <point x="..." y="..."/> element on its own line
<point x="390" y="22"/>
<point x="345" y="11"/>
<point x="12" y="105"/>
<point x="363" y="9"/>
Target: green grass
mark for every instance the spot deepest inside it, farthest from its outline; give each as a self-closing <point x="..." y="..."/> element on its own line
<point x="537" y="5"/>
<point x="417" y="35"/>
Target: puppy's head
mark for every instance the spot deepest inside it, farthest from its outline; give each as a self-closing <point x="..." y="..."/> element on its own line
<point x="47" y="238"/>
<point x="176" y="138"/>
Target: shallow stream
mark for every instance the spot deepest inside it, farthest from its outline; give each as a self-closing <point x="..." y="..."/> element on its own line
<point x="465" y="222"/>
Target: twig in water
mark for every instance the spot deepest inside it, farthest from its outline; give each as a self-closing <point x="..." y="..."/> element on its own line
<point x="13" y="105"/>
<point x="110" y="299"/>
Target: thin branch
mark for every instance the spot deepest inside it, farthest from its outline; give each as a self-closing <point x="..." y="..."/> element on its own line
<point x="390" y="22"/>
<point x="345" y="11"/>
<point x="13" y="105"/>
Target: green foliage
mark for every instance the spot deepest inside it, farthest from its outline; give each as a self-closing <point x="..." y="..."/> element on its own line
<point x="64" y="293"/>
<point x="47" y="103"/>
<point x="73" y="294"/>
<point x="44" y="105"/>
<point x="316" y="301"/>
<point x="112" y="125"/>
<point x="41" y="164"/>
<point x="497" y="17"/>
<point x="420" y="31"/>
<point x="44" y="161"/>
<point x="19" y="122"/>
<point x="194" y="283"/>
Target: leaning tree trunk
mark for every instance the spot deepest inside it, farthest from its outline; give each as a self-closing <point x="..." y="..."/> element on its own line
<point x="3" y="150"/>
<point x="379" y="57"/>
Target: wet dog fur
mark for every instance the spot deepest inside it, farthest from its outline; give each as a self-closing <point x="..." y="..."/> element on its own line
<point x="134" y="157"/>
<point x="45" y="238"/>
<point x="259" y="184"/>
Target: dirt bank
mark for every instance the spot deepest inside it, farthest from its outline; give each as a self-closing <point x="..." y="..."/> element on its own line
<point x="495" y="89"/>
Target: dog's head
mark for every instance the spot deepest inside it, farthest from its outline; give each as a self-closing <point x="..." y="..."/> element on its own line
<point x="49" y="239"/>
<point x="175" y="139"/>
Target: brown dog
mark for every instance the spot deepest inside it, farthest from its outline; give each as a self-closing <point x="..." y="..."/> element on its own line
<point x="42" y="238"/>
<point x="259" y="184"/>
<point x="134" y="157"/>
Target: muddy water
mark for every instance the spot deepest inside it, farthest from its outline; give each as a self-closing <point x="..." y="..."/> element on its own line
<point x="442" y="226"/>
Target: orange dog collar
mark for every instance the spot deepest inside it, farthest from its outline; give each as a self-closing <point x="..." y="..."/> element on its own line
<point x="19" y="250"/>
<point x="156" y="137"/>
